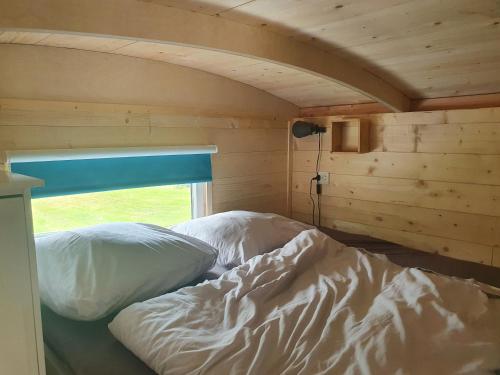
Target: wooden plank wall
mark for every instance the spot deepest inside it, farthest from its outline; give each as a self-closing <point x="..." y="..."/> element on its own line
<point x="431" y="182"/>
<point x="249" y="170"/>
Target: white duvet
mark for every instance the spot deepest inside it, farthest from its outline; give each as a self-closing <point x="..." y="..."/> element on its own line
<point x="316" y="307"/>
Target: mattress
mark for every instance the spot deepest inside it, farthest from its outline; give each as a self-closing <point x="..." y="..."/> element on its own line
<point x="88" y="348"/>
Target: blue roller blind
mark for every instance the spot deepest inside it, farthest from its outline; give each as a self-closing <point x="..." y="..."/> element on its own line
<point x="63" y="177"/>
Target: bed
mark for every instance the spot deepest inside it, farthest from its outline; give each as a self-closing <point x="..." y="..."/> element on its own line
<point x="87" y="348"/>
<point x="81" y="348"/>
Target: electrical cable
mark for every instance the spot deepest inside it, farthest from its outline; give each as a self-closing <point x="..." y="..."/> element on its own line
<point x="311" y="198"/>
<point x="318" y="188"/>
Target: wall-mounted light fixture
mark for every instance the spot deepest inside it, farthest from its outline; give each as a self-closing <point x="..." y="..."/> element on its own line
<point x="301" y="129"/>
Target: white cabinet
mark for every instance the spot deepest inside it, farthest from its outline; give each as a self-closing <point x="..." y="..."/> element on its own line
<point x="21" y="344"/>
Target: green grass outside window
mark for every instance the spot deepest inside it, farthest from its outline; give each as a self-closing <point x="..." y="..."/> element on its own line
<point x="163" y="205"/>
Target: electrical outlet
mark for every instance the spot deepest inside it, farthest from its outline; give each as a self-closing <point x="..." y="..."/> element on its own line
<point x="324" y="178"/>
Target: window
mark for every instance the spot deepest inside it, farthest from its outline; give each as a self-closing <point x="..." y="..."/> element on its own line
<point x="157" y="185"/>
<point x="160" y="205"/>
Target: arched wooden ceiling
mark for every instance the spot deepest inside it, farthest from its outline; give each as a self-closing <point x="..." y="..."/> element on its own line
<point x="426" y="48"/>
<point x="314" y="52"/>
<point x="200" y="40"/>
<point x="295" y="86"/>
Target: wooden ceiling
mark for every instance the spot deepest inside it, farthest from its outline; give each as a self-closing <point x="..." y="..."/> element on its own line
<point x="295" y="86"/>
<point x="423" y="48"/>
<point x="426" y="48"/>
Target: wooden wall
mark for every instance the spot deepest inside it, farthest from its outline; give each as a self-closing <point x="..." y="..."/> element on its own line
<point x="249" y="170"/>
<point x="431" y="182"/>
<point x="62" y="98"/>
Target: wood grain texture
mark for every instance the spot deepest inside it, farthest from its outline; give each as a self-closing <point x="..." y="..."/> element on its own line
<point x="422" y="48"/>
<point x="295" y="86"/>
<point x="71" y="99"/>
<point x="438" y="245"/>
<point x="431" y="221"/>
<point x="483" y="169"/>
<point x="431" y="181"/>
<point x="426" y="48"/>
<point x="246" y="187"/>
<point x="241" y="164"/>
<point x="249" y="171"/>
<point x="455" y="131"/>
<point x="201" y="41"/>
<point x="461" y="197"/>
<point x="68" y="75"/>
<point x="433" y="104"/>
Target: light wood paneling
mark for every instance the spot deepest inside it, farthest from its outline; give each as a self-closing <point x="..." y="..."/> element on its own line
<point x="69" y="75"/>
<point x="239" y="164"/>
<point x="432" y="181"/>
<point x="435" y="222"/>
<point x="339" y="110"/>
<point x="470" y="198"/>
<point x="295" y="86"/>
<point x="436" y="104"/>
<point x="246" y="140"/>
<point x="239" y="188"/>
<point x="426" y="48"/>
<point x="249" y="171"/>
<point x="418" y="48"/>
<point x="438" y="245"/>
<point x="482" y="169"/>
<point x="211" y="42"/>
<point x="261" y="203"/>
<point x="53" y="113"/>
<point x="457" y="132"/>
<point x="457" y="102"/>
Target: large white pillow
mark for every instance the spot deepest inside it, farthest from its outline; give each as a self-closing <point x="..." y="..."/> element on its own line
<point x="241" y="235"/>
<point x="86" y="274"/>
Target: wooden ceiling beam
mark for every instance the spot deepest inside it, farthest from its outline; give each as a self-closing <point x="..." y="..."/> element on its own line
<point x="417" y="105"/>
<point x="153" y="22"/>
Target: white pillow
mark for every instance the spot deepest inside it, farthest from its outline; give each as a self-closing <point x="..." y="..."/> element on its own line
<point x="86" y="274"/>
<point x="241" y="235"/>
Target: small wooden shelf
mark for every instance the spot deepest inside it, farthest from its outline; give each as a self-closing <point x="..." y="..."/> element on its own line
<point x="351" y="135"/>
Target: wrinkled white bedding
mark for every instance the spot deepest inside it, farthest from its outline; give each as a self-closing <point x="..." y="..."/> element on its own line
<point x="316" y="307"/>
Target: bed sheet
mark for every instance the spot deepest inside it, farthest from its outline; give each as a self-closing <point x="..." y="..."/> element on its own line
<point x="316" y="306"/>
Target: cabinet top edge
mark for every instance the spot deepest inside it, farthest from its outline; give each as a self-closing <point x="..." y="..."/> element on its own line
<point x="13" y="183"/>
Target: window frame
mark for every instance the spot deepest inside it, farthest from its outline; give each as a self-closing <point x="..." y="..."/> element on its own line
<point x="201" y="199"/>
